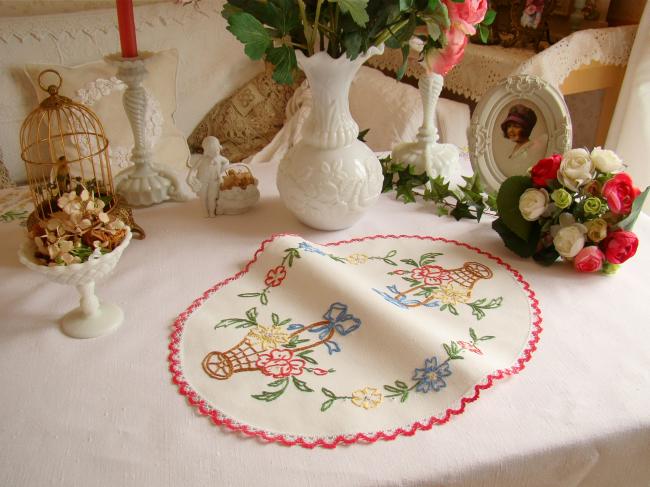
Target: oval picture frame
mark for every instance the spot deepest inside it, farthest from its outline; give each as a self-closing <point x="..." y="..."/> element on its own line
<point x="516" y="123"/>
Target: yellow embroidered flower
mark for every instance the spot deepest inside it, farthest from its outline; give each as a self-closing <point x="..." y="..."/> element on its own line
<point x="367" y="398"/>
<point x="449" y="294"/>
<point x="268" y="337"/>
<point x="357" y="259"/>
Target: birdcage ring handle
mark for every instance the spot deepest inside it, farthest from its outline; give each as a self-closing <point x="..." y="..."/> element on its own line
<point x="55" y="87"/>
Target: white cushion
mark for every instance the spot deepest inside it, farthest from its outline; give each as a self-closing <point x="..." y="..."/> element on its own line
<point x="212" y="63"/>
<point x="96" y="86"/>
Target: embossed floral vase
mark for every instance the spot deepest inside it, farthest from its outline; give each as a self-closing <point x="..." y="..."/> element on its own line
<point x="330" y="178"/>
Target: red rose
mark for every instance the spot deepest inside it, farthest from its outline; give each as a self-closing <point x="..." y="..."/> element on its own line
<point x="545" y="170"/>
<point x="589" y="259"/>
<point x="620" y="193"/>
<point x="619" y="246"/>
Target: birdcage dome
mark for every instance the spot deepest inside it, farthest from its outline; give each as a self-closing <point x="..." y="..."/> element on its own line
<point x="65" y="149"/>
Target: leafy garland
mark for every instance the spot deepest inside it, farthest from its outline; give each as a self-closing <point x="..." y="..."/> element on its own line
<point x="468" y="201"/>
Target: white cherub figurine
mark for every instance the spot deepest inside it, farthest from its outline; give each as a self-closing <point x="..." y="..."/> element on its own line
<point x="205" y="172"/>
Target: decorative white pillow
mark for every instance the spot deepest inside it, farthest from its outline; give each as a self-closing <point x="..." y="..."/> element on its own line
<point x="96" y="85"/>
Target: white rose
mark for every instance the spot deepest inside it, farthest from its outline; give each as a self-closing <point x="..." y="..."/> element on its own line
<point x="576" y="169"/>
<point x="606" y="160"/>
<point x="570" y="240"/>
<point x="533" y="203"/>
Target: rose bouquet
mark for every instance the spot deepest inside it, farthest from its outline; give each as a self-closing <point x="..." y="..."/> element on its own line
<point x="579" y="206"/>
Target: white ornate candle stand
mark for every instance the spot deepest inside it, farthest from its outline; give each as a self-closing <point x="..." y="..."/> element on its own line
<point x="92" y="318"/>
<point x="426" y="154"/>
<point x="142" y="184"/>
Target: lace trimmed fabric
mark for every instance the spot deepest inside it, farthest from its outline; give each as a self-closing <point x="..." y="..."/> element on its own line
<point x="484" y="66"/>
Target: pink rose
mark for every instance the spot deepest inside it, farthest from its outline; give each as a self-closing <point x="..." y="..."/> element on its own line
<point x="442" y="60"/>
<point x="464" y="16"/>
<point x="470" y="347"/>
<point x="619" y="246"/>
<point x="589" y="259"/>
<point x="279" y="363"/>
<point x="620" y="193"/>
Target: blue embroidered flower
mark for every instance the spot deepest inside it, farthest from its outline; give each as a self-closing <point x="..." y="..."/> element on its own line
<point x="310" y="248"/>
<point x="337" y="317"/>
<point x="431" y="376"/>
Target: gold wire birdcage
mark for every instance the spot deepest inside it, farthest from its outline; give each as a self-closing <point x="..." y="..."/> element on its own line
<point x="64" y="148"/>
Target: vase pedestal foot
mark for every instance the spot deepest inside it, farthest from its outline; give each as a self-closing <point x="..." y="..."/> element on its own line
<point x="77" y="324"/>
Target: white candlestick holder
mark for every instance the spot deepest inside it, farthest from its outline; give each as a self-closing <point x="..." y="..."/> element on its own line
<point x="144" y="183"/>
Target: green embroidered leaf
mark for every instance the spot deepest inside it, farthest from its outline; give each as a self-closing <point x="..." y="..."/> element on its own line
<point x="268" y="396"/>
<point x="285" y="322"/>
<point x="356" y="9"/>
<point x="301" y="385"/>
<point x="389" y="262"/>
<point x="409" y="262"/>
<point x="305" y="356"/>
<point x="404" y="397"/>
<point x="275" y="319"/>
<point x="447" y="349"/>
<point x="284" y="60"/>
<point x="249" y="295"/>
<point x="279" y="382"/>
<point x="392" y="389"/>
<point x="486" y="337"/>
<point x="241" y="323"/>
<point x="326" y="405"/>
<point x="294" y="342"/>
<point x="251" y="314"/>
<point x="453" y="310"/>
<point x="472" y="333"/>
<point x="428" y="258"/>
<point x="250" y="32"/>
<point x="264" y="299"/>
<point x="336" y="258"/>
<point x="328" y="393"/>
<point x="401" y="384"/>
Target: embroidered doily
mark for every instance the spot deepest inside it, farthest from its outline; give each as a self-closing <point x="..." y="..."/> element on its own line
<point x="352" y="341"/>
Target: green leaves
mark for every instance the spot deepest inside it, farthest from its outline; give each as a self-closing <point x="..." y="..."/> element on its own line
<point x="250" y="32"/>
<point x="508" y="204"/>
<point x="521" y="247"/>
<point x="400" y="389"/>
<point x="284" y="60"/>
<point x="301" y="385"/>
<point x="356" y="9"/>
<point x="482" y="304"/>
<point x="251" y="320"/>
<point x="453" y="351"/>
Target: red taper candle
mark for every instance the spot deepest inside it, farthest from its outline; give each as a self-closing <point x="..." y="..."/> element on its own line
<point x="126" y="24"/>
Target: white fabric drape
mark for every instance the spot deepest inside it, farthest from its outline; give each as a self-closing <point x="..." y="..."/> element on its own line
<point x="629" y="132"/>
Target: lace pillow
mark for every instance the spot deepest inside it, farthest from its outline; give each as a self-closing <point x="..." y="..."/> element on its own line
<point x="96" y="86"/>
<point x="246" y="122"/>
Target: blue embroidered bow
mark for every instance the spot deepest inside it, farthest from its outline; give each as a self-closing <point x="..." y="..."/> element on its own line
<point x="337" y="317"/>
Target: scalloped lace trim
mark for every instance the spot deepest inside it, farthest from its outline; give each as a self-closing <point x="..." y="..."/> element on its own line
<point x="483" y="67"/>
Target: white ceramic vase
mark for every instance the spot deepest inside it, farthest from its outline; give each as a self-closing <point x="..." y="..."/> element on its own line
<point x="330" y="178"/>
<point x="425" y="154"/>
<point x="92" y="318"/>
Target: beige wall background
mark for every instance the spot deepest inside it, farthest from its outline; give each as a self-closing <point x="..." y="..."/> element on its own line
<point x="19" y="8"/>
<point x="625" y="11"/>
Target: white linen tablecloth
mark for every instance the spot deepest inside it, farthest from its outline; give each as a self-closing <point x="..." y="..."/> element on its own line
<point x="104" y="412"/>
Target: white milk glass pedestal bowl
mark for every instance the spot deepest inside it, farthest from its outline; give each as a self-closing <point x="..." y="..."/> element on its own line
<point x="92" y="318"/>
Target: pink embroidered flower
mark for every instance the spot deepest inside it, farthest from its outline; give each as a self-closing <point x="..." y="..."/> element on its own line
<point x="470" y="347"/>
<point x="279" y="363"/>
<point x="440" y="61"/>
<point x="275" y="276"/>
<point x="431" y="275"/>
<point x="465" y="15"/>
